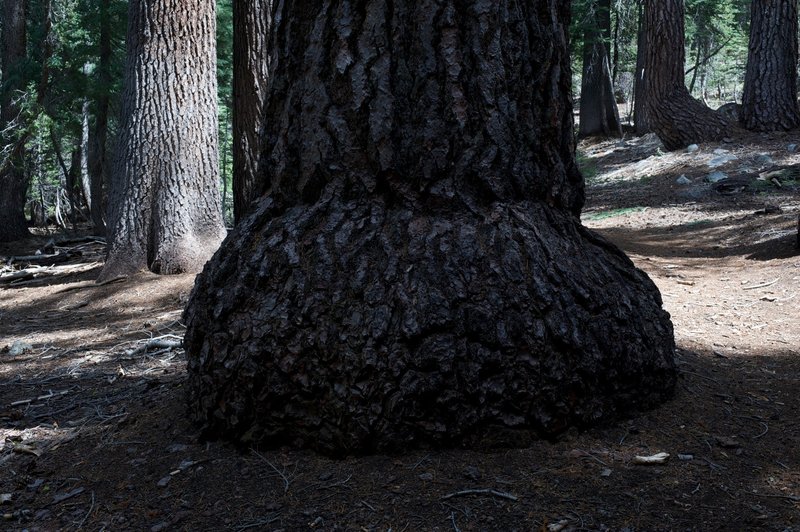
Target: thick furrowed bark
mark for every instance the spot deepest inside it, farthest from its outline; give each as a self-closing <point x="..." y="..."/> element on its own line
<point x="769" y="102"/>
<point x="417" y="274"/>
<point x="252" y="20"/>
<point x="165" y="209"/>
<point x="672" y="113"/>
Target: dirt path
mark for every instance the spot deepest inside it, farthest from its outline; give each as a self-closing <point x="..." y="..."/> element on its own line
<point x="93" y="435"/>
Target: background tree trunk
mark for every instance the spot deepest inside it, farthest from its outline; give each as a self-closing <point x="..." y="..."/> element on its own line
<point x="769" y="102"/>
<point x="251" y="23"/>
<point x="418" y="273"/>
<point x="640" y="121"/>
<point x="98" y="163"/>
<point x="676" y="117"/>
<point x="599" y="114"/>
<point x="167" y="215"/>
<point x="13" y="183"/>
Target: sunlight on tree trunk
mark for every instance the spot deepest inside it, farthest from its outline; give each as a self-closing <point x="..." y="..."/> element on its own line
<point x="165" y="208"/>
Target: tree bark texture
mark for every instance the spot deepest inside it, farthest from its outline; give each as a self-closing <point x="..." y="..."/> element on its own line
<point x="13" y="182"/>
<point x="251" y="23"/>
<point x="599" y="114"/>
<point x="673" y="114"/>
<point x="167" y="214"/>
<point x="417" y="274"/>
<point x="769" y="102"/>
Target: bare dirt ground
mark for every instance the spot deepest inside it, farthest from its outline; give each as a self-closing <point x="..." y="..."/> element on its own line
<point x="93" y="433"/>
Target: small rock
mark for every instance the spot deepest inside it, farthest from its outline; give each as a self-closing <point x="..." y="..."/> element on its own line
<point x="472" y="473"/>
<point x="721" y="151"/>
<point x="685" y="457"/>
<point x="791" y="148"/>
<point x="186" y="464"/>
<point x="426" y="476"/>
<point x="324" y="477"/>
<point x="177" y="448"/>
<point x="764" y="160"/>
<point x="683" y="180"/>
<point x="716" y="177"/>
<point x="721" y="159"/>
<point x="5" y="497"/>
<point x="605" y="473"/>
<point x="691" y="148"/>
<point x="164" y="481"/>
<point x="19" y="347"/>
<point x="159" y="527"/>
<point x="727" y="443"/>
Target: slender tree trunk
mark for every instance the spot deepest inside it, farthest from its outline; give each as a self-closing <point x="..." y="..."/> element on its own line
<point x="251" y="23"/>
<point x="641" y="122"/>
<point x="769" y="102"/>
<point x="167" y="215"/>
<point x="85" y="178"/>
<point x="676" y="117"/>
<point x="98" y="158"/>
<point x="599" y="114"/>
<point x="13" y="183"/>
<point x="417" y="272"/>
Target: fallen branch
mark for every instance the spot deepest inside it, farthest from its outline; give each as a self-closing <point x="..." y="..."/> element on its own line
<point x="495" y="493"/>
<point x="82" y="240"/>
<point x="162" y="342"/>
<point x="93" y="284"/>
<point x="44" y="260"/>
<point x="792" y="498"/>
<point x="50" y="395"/>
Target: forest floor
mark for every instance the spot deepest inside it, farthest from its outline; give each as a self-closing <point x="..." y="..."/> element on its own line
<point x="94" y="435"/>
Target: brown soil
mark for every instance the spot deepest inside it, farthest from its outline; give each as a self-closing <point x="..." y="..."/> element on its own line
<point x="94" y="436"/>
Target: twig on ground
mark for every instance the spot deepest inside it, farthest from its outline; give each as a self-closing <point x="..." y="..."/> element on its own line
<point x="453" y="520"/>
<point x="761" y="285"/>
<point x="699" y="375"/>
<point x="495" y="493"/>
<point x="91" y="507"/>
<point x="286" y="480"/>
<point x="764" y="433"/>
<point x="337" y="484"/>
<point x="258" y="523"/>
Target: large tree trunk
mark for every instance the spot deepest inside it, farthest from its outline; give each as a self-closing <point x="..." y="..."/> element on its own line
<point x="251" y="22"/>
<point x="769" y="102"/>
<point x="98" y="163"/>
<point x="599" y="114"/>
<point x="167" y="214"/>
<point x="13" y="183"/>
<point x="676" y="117"/>
<point x="417" y="273"/>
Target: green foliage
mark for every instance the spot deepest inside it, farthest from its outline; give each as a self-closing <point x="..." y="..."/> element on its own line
<point x="225" y="82"/>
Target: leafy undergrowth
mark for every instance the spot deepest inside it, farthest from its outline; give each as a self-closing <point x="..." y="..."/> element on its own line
<point x="93" y="432"/>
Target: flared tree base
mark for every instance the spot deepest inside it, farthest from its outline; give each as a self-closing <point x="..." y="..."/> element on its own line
<point x="364" y="327"/>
